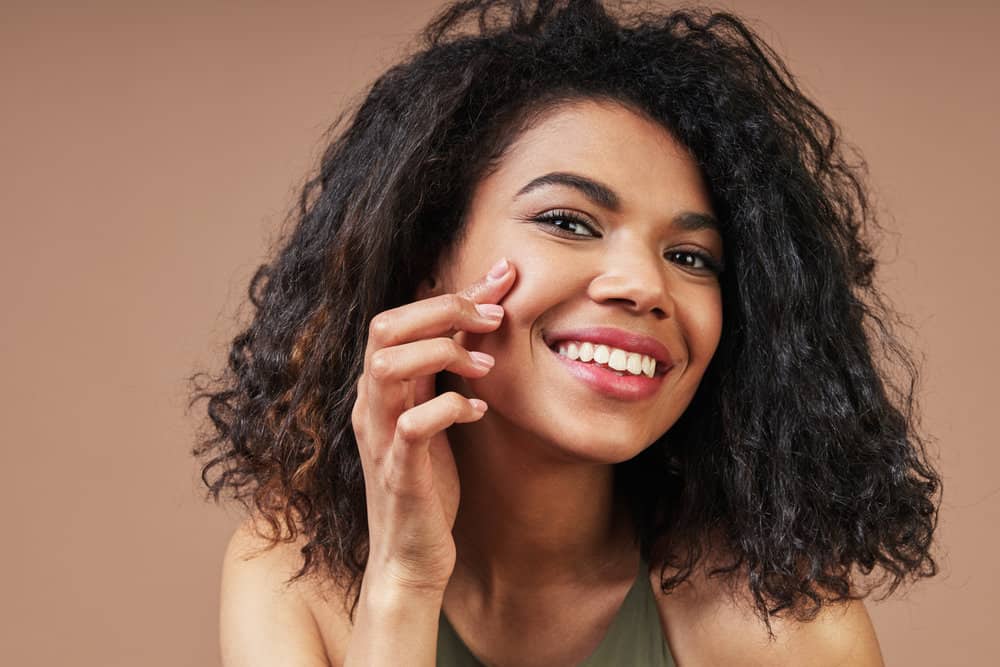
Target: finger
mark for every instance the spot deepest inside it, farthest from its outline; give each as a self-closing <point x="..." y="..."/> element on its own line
<point x="426" y="357"/>
<point x="474" y="309"/>
<point x="392" y="369"/>
<point x="414" y="430"/>
<point x="491" y="288"/>
<point x="435" y="316"/>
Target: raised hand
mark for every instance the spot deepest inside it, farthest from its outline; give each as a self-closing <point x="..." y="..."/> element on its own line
<point x="411" y="481"/>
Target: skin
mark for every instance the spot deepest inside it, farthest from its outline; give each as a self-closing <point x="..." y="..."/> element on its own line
<point x="544" y="555"/>
<point x="537" y="529"/>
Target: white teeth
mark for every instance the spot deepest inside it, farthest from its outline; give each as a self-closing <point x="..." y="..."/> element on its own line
<point x="602" y="354"/>
<point x="634" y="363"/>
<point x="615" y="358"/>
<point x="648" y="365"/>
<point x="618" y="359"/>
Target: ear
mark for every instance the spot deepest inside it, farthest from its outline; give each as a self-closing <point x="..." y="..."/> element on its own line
<point x="428" y="287"/>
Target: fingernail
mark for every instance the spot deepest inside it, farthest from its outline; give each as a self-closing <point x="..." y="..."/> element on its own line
<point x="490" y="310"/>
<point x="499" y="269"/>
<point x="482" y="359"/>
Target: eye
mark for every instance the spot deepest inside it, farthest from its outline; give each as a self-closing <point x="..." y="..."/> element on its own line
<point x="697" y="260"/>
<point x="565" y="223"/>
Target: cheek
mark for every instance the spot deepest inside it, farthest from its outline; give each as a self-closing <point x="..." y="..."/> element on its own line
<point x="540" y="286"/>
<point x="535" y="293"/>
<point x="544" y="281"/>
<point x="702" y="321"/>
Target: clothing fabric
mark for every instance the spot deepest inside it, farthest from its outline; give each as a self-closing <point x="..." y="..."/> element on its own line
<point x="635" y="637"/>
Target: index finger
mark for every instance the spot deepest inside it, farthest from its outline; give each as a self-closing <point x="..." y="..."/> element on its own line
<point x="493" y="285"/>
<point x="443" y="314"/>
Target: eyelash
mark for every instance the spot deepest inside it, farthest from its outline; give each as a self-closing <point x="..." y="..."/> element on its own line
<point x="550" y="217"/>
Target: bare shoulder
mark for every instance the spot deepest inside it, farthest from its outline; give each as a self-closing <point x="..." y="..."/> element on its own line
<point x="705" y="624"/>
<point x="841" y="634"/>
<point x="265" y="620"/>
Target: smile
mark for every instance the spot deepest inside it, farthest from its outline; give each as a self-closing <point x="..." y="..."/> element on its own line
<point x="606" y="380"/>
<point x="613" y="357"/>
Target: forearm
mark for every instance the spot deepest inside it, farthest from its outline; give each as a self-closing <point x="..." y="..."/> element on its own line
<point x="394" y="626"/>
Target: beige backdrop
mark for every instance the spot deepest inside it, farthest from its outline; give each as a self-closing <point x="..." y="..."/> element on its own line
<point x="146" y="157"/>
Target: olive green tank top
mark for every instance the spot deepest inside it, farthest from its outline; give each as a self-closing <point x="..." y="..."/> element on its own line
<point x="635" y="637"/>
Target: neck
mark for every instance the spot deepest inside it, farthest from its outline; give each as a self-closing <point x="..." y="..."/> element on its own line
<point x="531" y="519"/>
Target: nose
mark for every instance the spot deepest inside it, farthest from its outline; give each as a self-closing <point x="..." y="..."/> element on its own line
<point x="633" y="278"/>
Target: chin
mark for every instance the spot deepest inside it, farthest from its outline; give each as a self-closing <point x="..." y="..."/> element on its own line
<point x="596" y="439"/>
<point x="582" y="434"/>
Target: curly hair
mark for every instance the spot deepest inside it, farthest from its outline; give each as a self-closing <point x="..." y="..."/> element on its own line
<point x="800" y="451"/>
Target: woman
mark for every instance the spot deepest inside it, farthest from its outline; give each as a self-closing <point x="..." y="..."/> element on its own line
<point x="573" y="356"/>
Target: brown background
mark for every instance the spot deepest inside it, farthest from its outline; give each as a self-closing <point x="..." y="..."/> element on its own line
<point x="148" y="154"/>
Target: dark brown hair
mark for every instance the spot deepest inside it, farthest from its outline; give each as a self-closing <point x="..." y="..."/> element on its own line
<point x="798" y="451"/>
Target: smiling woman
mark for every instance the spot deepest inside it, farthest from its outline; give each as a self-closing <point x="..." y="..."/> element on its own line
<point x="573" y="355"/>
<point x="616" y="277"/>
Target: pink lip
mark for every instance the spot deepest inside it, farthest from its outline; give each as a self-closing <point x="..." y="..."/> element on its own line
<point x="603" y="380"/>
<point x="620" y="338"/>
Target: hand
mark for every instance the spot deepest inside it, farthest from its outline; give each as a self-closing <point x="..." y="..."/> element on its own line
<point x="411" y="481"/>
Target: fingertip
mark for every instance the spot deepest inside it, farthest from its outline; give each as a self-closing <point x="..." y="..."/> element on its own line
<point x="499" y="270"/>
<point x="493" y="279"/>
<point x="491" y="288"/>
<point x="478" y="405"/>
<point x="509" y="271"/>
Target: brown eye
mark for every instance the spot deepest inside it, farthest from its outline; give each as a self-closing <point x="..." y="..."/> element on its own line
<point x="566" y="224"/>
<point x="696" y="260"/>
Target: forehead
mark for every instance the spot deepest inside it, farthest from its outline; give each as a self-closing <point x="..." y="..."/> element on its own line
<point x="637" y="157"/>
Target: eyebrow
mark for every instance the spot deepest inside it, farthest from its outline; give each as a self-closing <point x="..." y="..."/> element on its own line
<point x="605" y="197"/>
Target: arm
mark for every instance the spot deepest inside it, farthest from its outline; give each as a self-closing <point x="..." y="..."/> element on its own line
<point x="261" y="621"/>
<point x="264" y="622"/>
<point x="394" y="625"/>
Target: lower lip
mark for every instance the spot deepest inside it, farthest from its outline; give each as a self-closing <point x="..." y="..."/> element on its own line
<point x="606" y="381"/>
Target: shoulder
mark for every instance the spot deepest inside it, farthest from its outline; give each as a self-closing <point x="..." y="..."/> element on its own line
<point x="705" y="623"/>
<point x="841" y="634"/>
<point x="263" y="619"/>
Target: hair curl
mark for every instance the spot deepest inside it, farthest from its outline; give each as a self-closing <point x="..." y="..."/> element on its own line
<point x="798" y="451"/>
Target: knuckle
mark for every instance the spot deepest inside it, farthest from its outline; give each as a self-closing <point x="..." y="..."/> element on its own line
<point x="446" y="348"/>
<point x="359" y="410"/>
<point x="457" y="404"/>
<point x="380" y="364"/>
<point x="379" y="327"/>
<point x="456" y="304"/>
<point x="356" y="416"/>
<point x="407" y="429"/>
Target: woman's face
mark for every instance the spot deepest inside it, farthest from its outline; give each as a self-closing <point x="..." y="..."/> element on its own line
<point x="617" y="260"/>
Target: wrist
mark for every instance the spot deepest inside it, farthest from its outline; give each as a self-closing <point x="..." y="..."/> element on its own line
<point x="387" y="590"/>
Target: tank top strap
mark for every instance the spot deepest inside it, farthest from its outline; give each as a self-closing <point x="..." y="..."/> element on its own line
<point x="636" y="635"/>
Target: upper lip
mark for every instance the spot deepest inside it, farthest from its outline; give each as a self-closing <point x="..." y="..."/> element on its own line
<point x="620" y="338"/>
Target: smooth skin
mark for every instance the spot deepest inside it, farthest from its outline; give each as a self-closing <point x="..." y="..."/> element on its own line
<point x="532" y="533"/>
